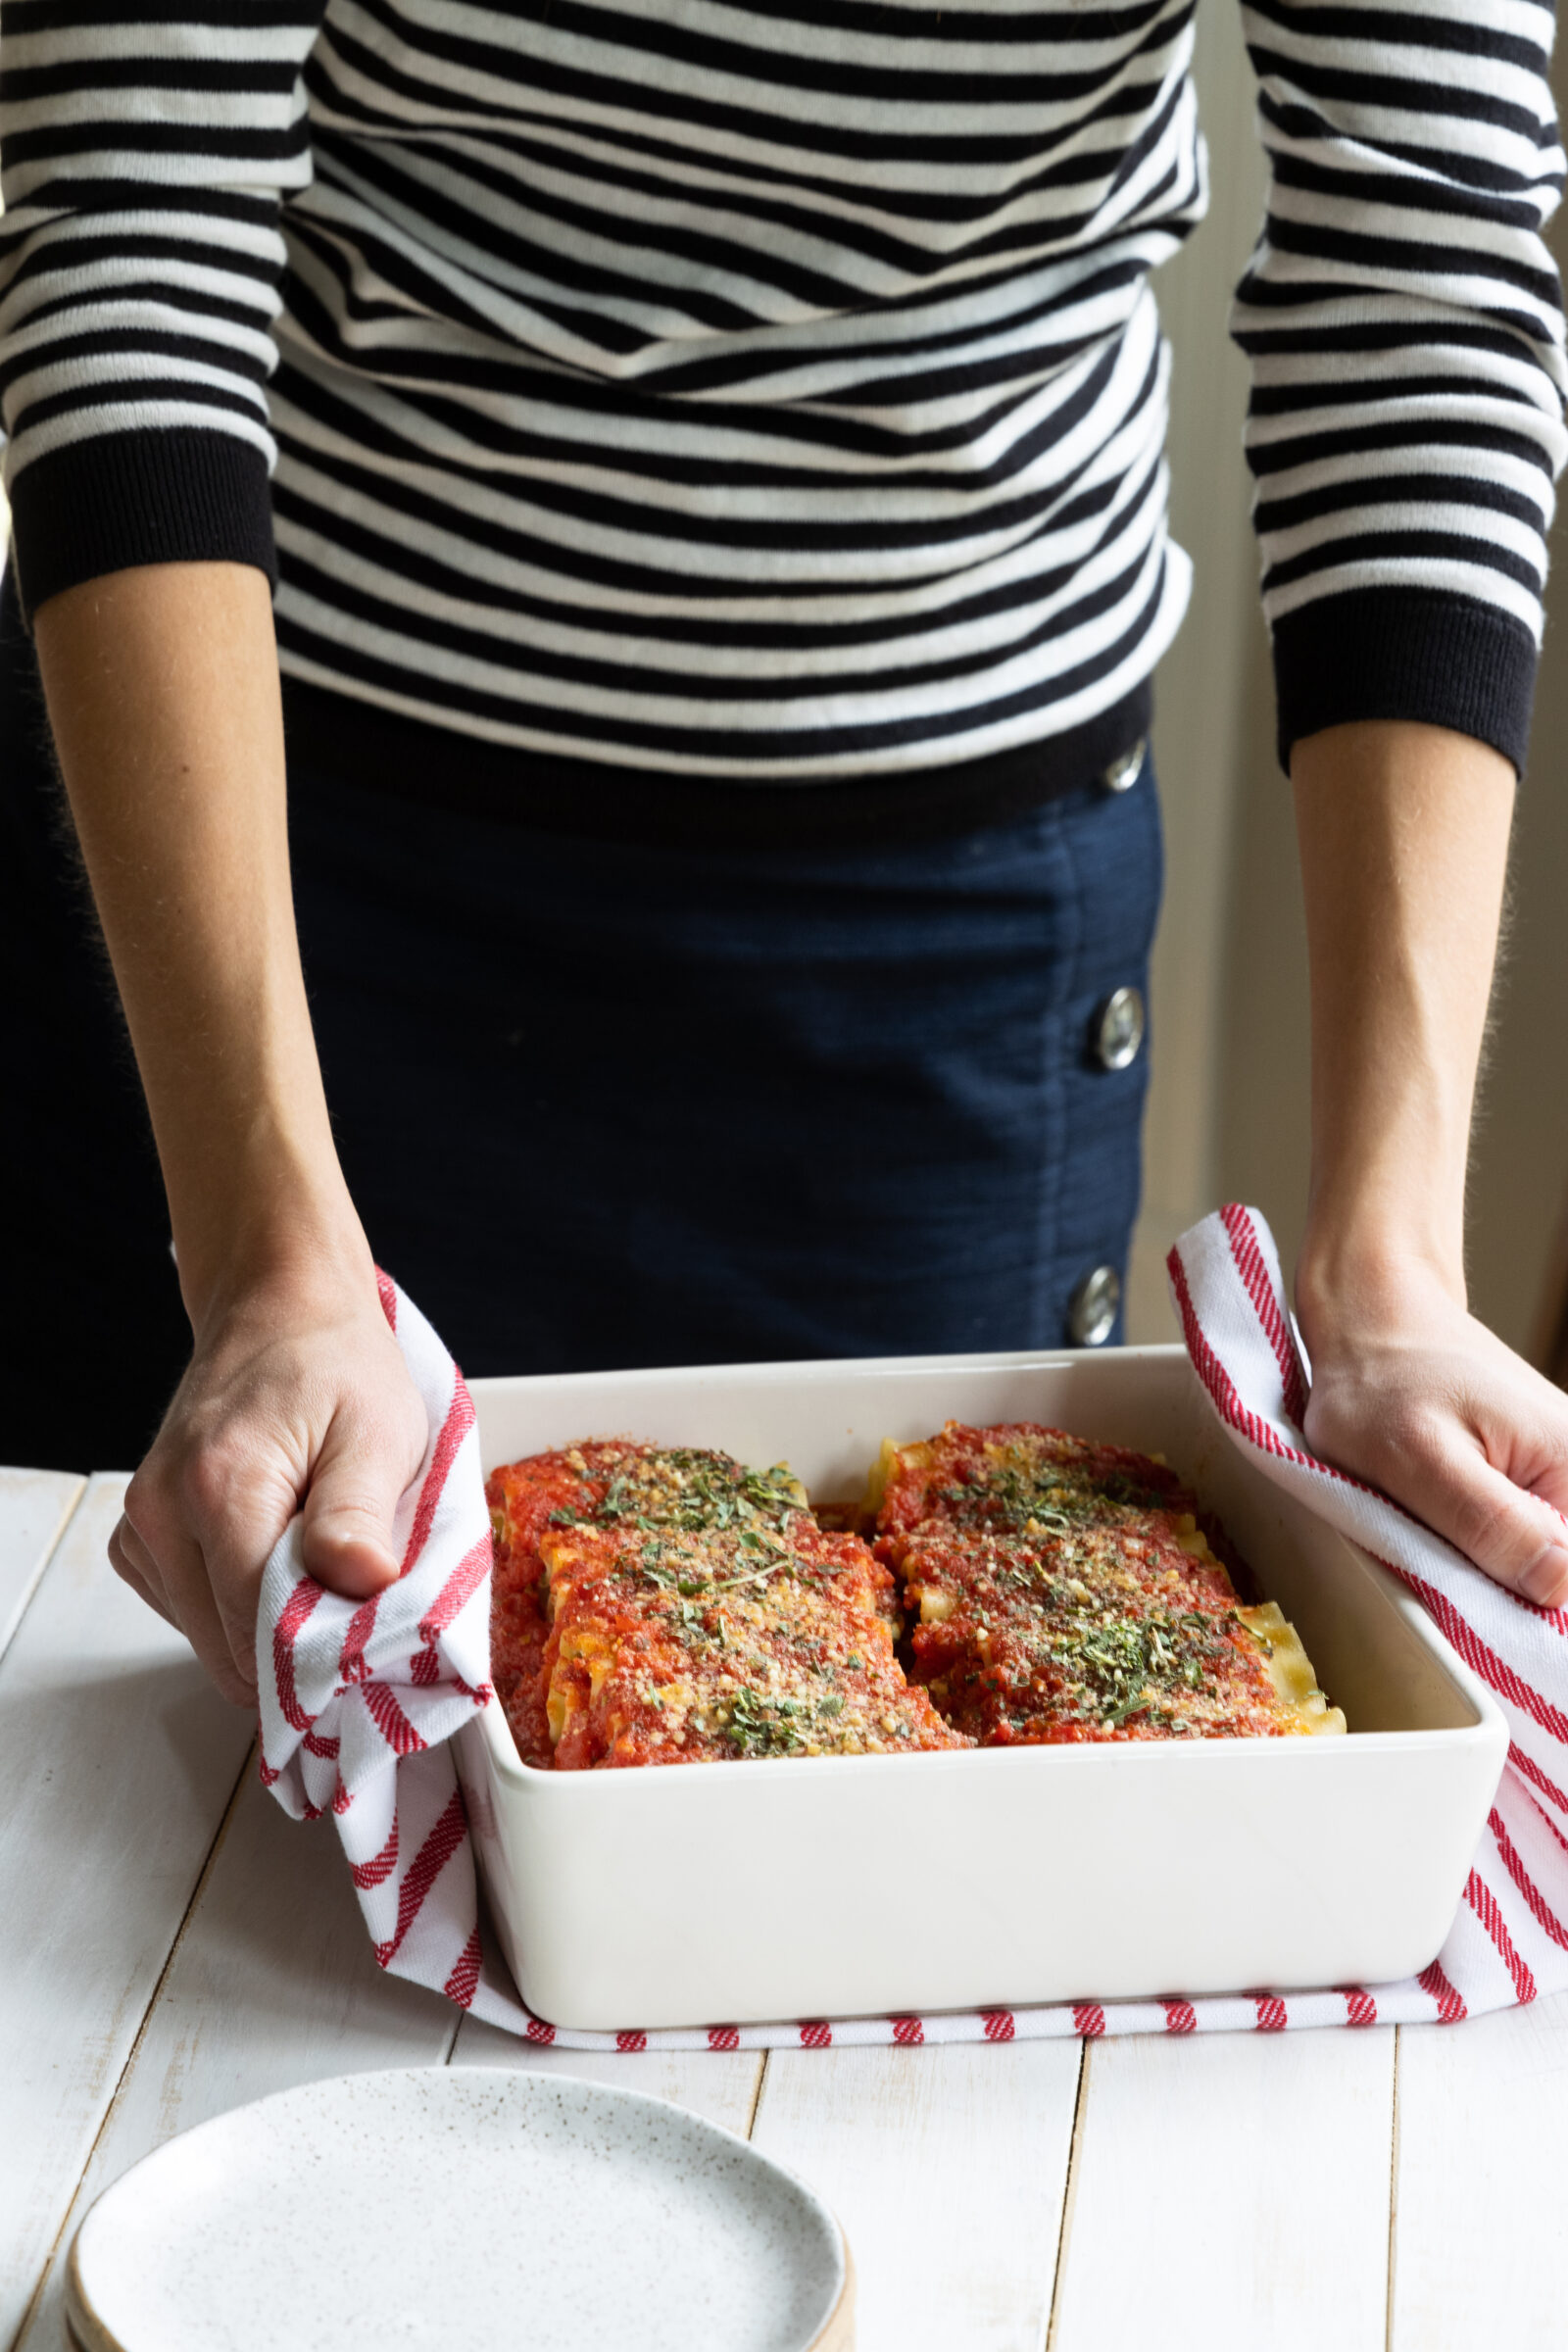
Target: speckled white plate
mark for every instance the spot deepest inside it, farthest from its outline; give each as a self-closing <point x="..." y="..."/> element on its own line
<point x="436" y="2206"/>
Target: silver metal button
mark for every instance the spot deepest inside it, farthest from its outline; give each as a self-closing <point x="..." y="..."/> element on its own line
<point x="1092" y="1308"/>
<point x="1119" y="1029"/>
<point x="1124" y="771"/>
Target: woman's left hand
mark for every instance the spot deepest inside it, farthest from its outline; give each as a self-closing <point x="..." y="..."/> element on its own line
<point x="1411" y="1394"/>
<point x="1403" y="832"/>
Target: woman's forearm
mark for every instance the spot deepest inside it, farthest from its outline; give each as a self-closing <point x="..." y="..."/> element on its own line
<point x="163" y="693"/>
<point x="1404" y="840"/>
<point x="164" y="697"/>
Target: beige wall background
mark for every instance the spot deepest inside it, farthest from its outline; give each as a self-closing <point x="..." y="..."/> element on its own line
<point x="1228" y="1108"/>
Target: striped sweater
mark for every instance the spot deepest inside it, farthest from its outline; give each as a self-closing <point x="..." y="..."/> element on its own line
<point x="774" y="393"/>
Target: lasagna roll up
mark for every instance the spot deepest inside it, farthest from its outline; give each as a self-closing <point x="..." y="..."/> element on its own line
<point x="1062" y="1592"/>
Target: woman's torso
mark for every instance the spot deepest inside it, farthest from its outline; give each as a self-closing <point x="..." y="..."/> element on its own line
<point x="771" y="394"/>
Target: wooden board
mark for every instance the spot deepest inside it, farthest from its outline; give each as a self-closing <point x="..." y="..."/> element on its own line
<point x="839" y="2336"/>
<point x="1480" y="2245"/>
<point x="35" y="1507"/>
<point x="117" y="1761"/>
<point x="1231" y="2191"/>
<point x="946" y="2168"/>
<point x="273" y="1983"/>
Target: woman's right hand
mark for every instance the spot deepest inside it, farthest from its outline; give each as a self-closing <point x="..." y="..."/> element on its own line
<point x="296" y="1399"/>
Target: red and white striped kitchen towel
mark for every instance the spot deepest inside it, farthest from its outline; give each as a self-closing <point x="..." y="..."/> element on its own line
<point x="359" y="1700"/>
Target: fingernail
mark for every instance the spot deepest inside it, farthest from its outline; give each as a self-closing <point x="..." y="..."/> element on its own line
<point x="1545" y="1581"/>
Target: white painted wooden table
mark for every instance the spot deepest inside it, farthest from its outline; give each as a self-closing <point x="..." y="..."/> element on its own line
<point x="171" y="1946"/>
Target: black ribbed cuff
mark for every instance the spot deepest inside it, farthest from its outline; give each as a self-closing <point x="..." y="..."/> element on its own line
<point x="1405" y="652"/>
<point x="184" y="496"/>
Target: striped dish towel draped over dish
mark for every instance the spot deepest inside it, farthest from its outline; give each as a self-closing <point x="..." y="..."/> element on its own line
<point x="359" y="1700"/>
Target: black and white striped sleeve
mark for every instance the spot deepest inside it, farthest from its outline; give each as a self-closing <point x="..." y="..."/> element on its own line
<point x="145" y="158"/>
<point x="1404" y="324"/>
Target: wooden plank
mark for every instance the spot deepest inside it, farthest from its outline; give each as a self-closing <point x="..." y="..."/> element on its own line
<point x="273" y="1983"/>
<point x="946" y="2168"/>
<point x="1481" y="2234"/>
<point x="117" y="1761"/>
<point x="35" y="1507"/>
<point x="1231" y="2190"/>
<point x="719" y="2085"/>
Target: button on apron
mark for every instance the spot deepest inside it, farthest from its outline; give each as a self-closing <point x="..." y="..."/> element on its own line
<point x="1125" y="769"/>
<point x="1119" y="1029"/>
<point x="1092" y="1311"/>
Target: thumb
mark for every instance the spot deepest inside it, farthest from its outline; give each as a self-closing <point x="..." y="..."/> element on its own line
<point x="359" y="1478"/>
<point x="1518" y="1540"/>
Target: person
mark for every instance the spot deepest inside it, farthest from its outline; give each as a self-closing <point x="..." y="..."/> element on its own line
<point x="709" y="463"/>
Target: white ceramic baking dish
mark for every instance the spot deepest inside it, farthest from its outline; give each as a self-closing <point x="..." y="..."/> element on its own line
<point x="837" y="1886"/>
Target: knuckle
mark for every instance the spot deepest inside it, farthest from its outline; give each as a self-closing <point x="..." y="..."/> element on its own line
<point x="149" y="1503"/>
<point x="1405" y="1427"/>
<point x="119" y="1561"/>
<point x="202" y="1486"/>
<point x="210" y="1477"/>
